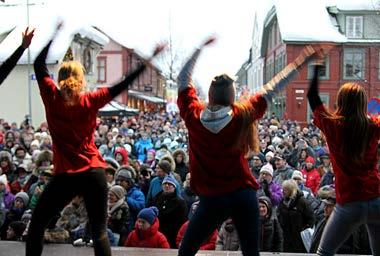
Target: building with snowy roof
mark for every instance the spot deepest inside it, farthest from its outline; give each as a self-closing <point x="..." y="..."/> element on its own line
<point x="290" y="25"/>
<point x="75" y="41"/>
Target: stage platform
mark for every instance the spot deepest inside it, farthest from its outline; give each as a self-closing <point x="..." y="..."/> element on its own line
<point x="18" y="249"/>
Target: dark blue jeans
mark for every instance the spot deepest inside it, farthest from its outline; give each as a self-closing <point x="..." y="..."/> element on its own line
<point x="92" y="185"/>
<point x="241" y="205"/>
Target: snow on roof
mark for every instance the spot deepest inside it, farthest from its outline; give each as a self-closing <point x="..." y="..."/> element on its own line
<point x="45" y="21"/>
<point x="301" y="20"/>
<point x="354" y="5"/>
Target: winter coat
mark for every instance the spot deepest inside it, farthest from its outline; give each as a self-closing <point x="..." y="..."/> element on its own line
<point x="181" y="168"/>
<point x="271" y="237"/>
<point x="312" y="178"/>
<point x="189" y="196"/>
<point x="228" y="239"/>
<point x="274" y="192"/>
<point x="327" y="179"/>
<point x="357" y="242"/>
<point x="7" y="198"/>
<point x="136" y="202"/>
<point x="12" y="215"/>
<point x="118" y="221"/>
<point x="172" y="214"/>
<point x="294" y="216"/>
<point x="150" y="238"/>
<point x="208" y="244"/>
<point x="155" y="187"/>
<point x="72" y="216"/>
<point x="282" y="174"/>
<point x="142" y="147"/>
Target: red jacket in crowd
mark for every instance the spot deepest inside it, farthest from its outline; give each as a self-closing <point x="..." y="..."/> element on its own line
<point x="209" y="244"/>
<point x="150" y="238"/>
<point x="312" y="177"/>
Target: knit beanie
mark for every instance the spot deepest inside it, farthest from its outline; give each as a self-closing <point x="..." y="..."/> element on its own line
<point x="125" y="174"/>
<point x="267" y="169"/>
<point x="24" y="197"/>
<point x="221" y="91"/>
<point x="165" y="166"/>
<point x="169" y="179"/>
<point x="149" y="214"/>
<point x="118" y="191"/>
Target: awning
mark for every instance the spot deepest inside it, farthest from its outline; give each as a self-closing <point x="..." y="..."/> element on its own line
<point x="142" y="96"/>
<point x="115" y="108"/>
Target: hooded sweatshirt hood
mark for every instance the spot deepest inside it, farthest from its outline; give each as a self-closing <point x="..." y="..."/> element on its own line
<point x="215" y="121"/>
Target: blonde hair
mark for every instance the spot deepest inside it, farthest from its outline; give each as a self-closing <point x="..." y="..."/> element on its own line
<point x="292" y="186"/>
<point x="71" y="80"/>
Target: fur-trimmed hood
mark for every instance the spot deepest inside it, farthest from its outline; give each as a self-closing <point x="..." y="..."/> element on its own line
<point x="184" y="154"/>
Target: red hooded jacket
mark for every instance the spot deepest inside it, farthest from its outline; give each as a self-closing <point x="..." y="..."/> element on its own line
<point x="312" y="177"/>
<point x="150" y="238"/>
<point x="209" y="244"/>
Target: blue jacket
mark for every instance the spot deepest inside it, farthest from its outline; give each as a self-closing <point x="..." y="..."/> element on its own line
<point x="142" y="147"/>
<point x="136" y="202"/>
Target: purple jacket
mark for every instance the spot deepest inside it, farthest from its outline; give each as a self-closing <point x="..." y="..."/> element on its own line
<point x="274" y="190"/>
<point x="8" y="199"/>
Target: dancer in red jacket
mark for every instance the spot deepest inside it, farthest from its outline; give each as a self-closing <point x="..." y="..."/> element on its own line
<point x="220" y="136"/>
<point x="352" y="137"/>
<point x="78" y="167"/>
<point x="11" y="62"/>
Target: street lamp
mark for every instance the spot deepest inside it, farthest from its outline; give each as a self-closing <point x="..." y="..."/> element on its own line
<point x="29" y="72"/>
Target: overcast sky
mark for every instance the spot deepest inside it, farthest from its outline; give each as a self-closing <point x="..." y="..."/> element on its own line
<point x="141" y="24"/>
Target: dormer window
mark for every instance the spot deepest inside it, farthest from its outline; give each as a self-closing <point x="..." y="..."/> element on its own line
<point x="354" y="26"/>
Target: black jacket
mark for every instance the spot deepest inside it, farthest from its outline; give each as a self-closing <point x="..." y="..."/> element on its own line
<point x="172" y="214"/>
<point x="294" y="218"/>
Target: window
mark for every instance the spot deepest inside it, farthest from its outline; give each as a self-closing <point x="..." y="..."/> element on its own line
<point x="354" y="26"/>
<point x="102" y="70"/>
<point x="323" y="70"/>
<point x="353" y="64"/>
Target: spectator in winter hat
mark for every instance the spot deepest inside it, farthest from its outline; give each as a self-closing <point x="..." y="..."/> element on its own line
<point x="311" y="175"/>
<point x="22" y="176"/>
<point x="15" y="213"/>
<point x="134" y="196"/>
<point x="121" y="156"/>
<point x="163" y="169"/>
<point x="228" y="238"/>
<point x="268" y="187"/>
<point x="268" y="156"/>
<point x="146" y="232"/>
<point x="172" y="208"/>
<point x="118" y="213"/>
<point x="271" y="239"/>
<point x="283" y="171"/>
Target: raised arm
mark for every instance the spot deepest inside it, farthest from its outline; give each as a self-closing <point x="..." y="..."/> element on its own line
<point x="11" y="62"/>
<point x="40" y="67"/>
<point x="313" y="93"/>
<point x="184" y="77"/>
<point x="118" y="88"/>
<point x="278" y="83"/>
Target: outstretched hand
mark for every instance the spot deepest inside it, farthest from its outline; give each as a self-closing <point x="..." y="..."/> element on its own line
<point x="209" y="41"/>
<point x="157" y="50"/>
<point x="27" y="38"/>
